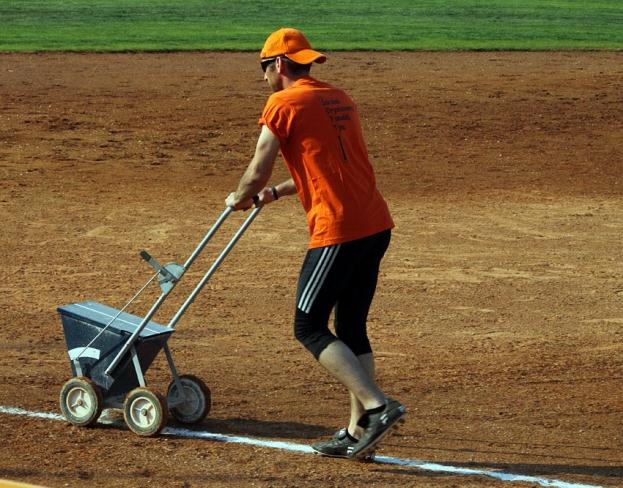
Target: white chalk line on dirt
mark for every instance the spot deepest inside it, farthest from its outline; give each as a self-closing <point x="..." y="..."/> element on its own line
<point x="302" y="448"/>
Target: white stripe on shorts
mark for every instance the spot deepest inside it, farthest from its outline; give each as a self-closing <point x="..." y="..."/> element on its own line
<point x="317" y="278"/>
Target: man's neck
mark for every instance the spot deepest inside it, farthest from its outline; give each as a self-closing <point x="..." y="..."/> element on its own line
<point x="288" y="82"/>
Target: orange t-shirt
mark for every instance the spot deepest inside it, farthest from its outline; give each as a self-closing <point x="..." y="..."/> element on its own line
<point x="322" y="144"/>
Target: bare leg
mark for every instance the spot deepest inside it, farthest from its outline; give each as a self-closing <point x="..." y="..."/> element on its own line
<point x="356" y="373"/>
<point x="356" y="408"/>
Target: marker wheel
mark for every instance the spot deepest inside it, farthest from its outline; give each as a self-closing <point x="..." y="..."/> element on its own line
<point x="197" y="400"/>
<point x="81" y="401"/>
<point x="145" y="412"/>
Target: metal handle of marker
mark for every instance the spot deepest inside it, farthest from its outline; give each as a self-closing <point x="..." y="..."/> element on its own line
<point x="215" y="265"/>
<point x="132" y="339"/>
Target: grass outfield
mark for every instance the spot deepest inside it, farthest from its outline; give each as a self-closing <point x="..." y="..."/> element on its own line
<point x="119" y="25"/>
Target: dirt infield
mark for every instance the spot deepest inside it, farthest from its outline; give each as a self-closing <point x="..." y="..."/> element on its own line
<point x="499" y="314"/>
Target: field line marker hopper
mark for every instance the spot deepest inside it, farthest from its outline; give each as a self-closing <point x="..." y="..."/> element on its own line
<point x="110" y="350"/>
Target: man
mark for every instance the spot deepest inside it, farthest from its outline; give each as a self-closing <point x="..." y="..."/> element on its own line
<point x="316" y="127"/>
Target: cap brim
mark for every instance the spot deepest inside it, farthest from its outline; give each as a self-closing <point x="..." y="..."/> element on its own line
<point x="307" y="56"/>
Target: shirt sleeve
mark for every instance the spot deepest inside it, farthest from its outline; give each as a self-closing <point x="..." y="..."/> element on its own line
<point x="277" y="116"/>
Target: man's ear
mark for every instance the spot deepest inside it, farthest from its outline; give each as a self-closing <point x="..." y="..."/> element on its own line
<point x="280" y="65"/>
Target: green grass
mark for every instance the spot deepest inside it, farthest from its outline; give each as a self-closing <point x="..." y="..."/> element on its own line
<point x="119" y="25"/>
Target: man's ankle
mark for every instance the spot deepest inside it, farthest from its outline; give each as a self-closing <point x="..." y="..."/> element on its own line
<point x="351" y="436"/>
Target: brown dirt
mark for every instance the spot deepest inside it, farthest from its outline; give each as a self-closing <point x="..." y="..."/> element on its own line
<point x="499" y="314"/>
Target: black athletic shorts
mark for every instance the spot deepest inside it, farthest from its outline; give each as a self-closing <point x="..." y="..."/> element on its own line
<point x="344" y="277"/>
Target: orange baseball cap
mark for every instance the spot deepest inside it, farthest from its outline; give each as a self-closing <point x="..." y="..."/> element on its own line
<point x="292" y="44"/>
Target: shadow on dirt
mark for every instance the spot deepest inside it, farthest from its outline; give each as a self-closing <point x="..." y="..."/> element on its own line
<point x="233" y="427"/>
<point x="262" y="428"/>
<point x="524" y="469"/>
<point x="592" y="463"/>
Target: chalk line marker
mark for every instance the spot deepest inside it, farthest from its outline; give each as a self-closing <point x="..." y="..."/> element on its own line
<point x="303" y="448"/>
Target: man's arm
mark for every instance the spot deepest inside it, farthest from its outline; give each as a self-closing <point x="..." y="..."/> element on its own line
<point x="257" y="173"/>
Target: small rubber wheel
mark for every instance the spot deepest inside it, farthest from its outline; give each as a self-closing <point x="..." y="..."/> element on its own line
<point x="197" y="402"/>
<point x="145" y="412"/>
<point x="81" y="401"/>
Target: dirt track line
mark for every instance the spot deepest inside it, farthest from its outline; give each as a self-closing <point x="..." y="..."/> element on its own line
<point x="303" y="448"/>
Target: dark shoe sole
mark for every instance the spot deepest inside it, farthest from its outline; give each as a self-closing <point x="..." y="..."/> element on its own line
<point x="367" y="458"/>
